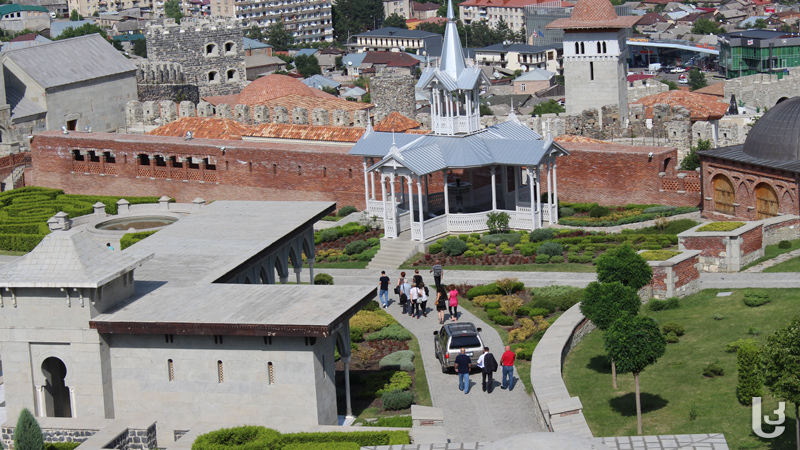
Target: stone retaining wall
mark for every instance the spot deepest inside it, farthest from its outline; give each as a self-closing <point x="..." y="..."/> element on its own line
<point x="782" y="228"/>
<point x="678" y="276"/>
<point x="51" y="435"/>
<point x="725" y="251"/>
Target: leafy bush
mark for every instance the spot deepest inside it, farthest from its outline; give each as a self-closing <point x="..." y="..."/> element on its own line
<point x="542" y="234"/>
<point x="497" y="239"/>
<point x="542" y="303"/>
<point x="527" y="328"/>
<point x="566" y="211"/>
<point x="344" y="258"/>
<point x="660" y="305"/>
<point x="395" y="400"/>
<point x="393" y="422"/>
<point x="671" y="338"/>
<point x="784" y="244"/>
<point x="323" y="278"/>
<point x="328" y="235"/>
<point x="510" y="304"/>
<point x="658" y="209"/>
<point x="717" y="317"/>
<point x="61" y="445"/>
<point x="659" y="255"/>
<point x="355" y="247"/>
<point x="435" y="248"/>
<point x="400" y="381"/>
<point x="129" y="239"/>
<point x="748" y="360"/>
<point x="556" y="259"/>
<point x="394" y="331"/>
<point x="356" y="334"/>
<point x="597" y="211"/>
<point x="525" y="350"/>
<point x="753" y="331"/>
<point x="362" y="438"/>
<point x="493" y="289"/>
<point x="733" y="347"/>
<point x="721" y="226"/>
<point x="673" y="327"/>
<point x="454" y="247"/>
<point x="491" y="305"/>
<point x="497" y="222"/>
<point x="239" y="438"/>
<point x="542" y="259"/>
<point x="713" y="370"/>
<point x="370" y="321"/>
<point x="621" y="218"/>
<point x="373" y="242"/>
<point x="323" y="446"/>
<point x="550" y="249"/>
<point x="533" y="312"/>
<point x="400" y="360"/>
<point x="755" y="300"/>
<point x="345" y="211"/>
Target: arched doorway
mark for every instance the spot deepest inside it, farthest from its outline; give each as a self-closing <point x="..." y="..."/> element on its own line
<point x="723" y="195"/>
<point x="766" y="201"/>
<point x="56" y="393"/>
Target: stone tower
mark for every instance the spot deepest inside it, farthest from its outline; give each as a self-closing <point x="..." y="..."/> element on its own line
<point x="392" y="93"/>
<point x="211" y="52"/>
<point x="595" y="56"/>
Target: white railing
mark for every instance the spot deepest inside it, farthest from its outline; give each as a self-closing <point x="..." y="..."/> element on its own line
<point x="416" y="231"/>
<point x="389" y="228"/>
<point x="467" y="222"/>
<point x="405" y="221"/>
<point x="545" y="213"/>
<point x="435" y="226"/>
<point x="520" y="220"/>
<point x="524" y="209"/>
<point x="375" y="208"/>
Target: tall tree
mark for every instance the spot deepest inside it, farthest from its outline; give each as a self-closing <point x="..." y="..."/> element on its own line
<point x="781" y="362"/>
<point x="760" y="24"/>
<point x="307" y="65"/>
<point x="697" y="79"/>
<point x="139" y="48"/>
<point x="635" y="342"/>
<point x="74" y="16"/>
<point x="395" y="20"/>
<point x="623" y="264"/>
<point x="706" y="26"/>
<point x="351" y="17"/>
<point x="604" y="303"/>
<point x="278" y="37"/>
<point x="172" y="9"/>
<point x="28" y="434"/>
<point x="255" y="33"/>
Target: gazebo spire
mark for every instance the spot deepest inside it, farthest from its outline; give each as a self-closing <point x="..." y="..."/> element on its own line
<point x="452" y="60"/>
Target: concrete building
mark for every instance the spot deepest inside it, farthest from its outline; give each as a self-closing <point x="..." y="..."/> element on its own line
<point x="512" y="12"/>
<point x="76" y="83"/>
<point x="520" y="57"/>
<point x="307" y="20"/>
<point x="395" y="40"/>
<point x="533" y="81"/>
<point x="595" y="57"/>
<point x="22" y="17"/>
<point x="758" y="51"/>
<point x="203" y="334"/>
<point x="423" y="11"/>
<point x="399" y="7"/>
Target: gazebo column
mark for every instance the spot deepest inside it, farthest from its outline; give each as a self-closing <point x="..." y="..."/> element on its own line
<point x="504" y="182"/>
<point x="383" y="199"/>
<point x="516" y="188"/>
<point x="346" y="364"/>
<point x="427" y="194"/>
<point x="446" y="194"/>
<point x="533" y="205"/>
<point x="493" y="169"/>
<point x="311" y="269"/>
<point x="555" y="194"/>
<point x="366" y="185"/>
<point x="372" y="179"/>
<point x="539" y="197"/>
<point x="410" y="182"/>
<point x="421" y="218"/>
<point x="550" y="191"/>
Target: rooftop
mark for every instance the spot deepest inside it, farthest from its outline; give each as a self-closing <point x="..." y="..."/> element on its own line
<point x="306" y="132"/>
<point x="391" y="32"/>
<point x="10" y="8"/>
<point x="593" y="14"/>
<point x="203" y="128"/>
<point x="701" y="107"/>
<point x="396" y="123"/>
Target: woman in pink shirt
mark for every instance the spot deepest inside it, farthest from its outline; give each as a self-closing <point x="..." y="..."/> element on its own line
<point x="453" y="294"/>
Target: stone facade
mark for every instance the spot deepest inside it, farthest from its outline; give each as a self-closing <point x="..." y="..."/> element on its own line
<point x="726" y="251"/>
<point x="159" y="81"/>
<point x="763" y="90"/>
<point x="211" y="53"/>
<point x="781" y="228"/>
<point x="393" y="93"/>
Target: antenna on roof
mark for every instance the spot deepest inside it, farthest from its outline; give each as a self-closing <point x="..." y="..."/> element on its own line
<point x="189" y="136"/>
<point x="64" y="129"/>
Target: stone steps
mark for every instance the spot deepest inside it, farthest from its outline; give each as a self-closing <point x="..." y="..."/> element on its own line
<point x="393" y="252"/>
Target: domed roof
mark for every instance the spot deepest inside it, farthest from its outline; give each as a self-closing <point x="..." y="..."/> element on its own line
<point x="593" y="11"/>
<point x="546" y="441"/>
<point x="275" y="86"/>
<point x="776" y="136"/>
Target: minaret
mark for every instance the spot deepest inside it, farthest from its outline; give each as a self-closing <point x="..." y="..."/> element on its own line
<point x="454" y="86"/>
<point x="595" y="57"/>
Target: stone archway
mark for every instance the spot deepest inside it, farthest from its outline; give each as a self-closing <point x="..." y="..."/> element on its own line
<point x="56" y="393"/>
<point x="766" y="201"/>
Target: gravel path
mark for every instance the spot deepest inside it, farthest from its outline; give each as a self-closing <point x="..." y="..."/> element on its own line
<point x="771" y="262"/>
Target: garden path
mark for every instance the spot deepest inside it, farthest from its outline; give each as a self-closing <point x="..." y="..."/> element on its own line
<point x="531" y="279"/>
<point x="771" y="262"/>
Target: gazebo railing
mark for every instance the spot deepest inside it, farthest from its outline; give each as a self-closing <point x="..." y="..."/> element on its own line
<point x="459" y="223"/>
<point x="435" y="226"/>
<point x="416" y="231"/>
<point x="404" y="219"/>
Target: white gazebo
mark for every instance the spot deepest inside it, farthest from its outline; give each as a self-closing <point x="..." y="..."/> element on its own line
<point x="469" y="158"/>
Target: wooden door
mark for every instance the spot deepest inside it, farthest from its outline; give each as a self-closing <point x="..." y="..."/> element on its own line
<point x="723" y="196"/>
<point x="766" y="201"/>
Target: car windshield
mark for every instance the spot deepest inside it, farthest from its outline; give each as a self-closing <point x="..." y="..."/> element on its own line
<point x="464" y="341"/>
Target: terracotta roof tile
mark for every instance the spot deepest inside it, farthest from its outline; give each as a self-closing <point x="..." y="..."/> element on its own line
<point x="268" y="88"/>
<point x="203" y="128"/>
<point x="716" y="89"/>
<point x="307" y="132"/>
<point x="396" y="122"/>
<point x="701" y="107"/>
<point x="573" y="138"/>
<point x="593" y="14"/>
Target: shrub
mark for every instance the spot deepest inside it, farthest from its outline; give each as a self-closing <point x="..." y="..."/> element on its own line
<point x="497" y="239"/>
<point x="362" y="438"/>
<point x="493" y="289"/>
<point x="566" y="211"/>
<point x="550" y="249"/>
<point x="355" y="247"/>
<point x="659" y="255"/>
<point x="345" y="211"/>
<point x="713" y="370"/>
<point x="323" y="446"/>
<point x="469" y="254"/>
<point x="749" y="365"/>
<point x="755" y="300"/>
<point x="400" y="360"/>
<point x="491" y="252"/>
<point x="344" y="258"/>
<point x="61" y="445"/>
<point x="507" y="251"/>
<point x="400" y="381"/>
<point x="784" y="244"/>
<point x="717" y="317"/>
<point x="497" y="222"/>
<point x="527" y="328"/>
<point x="542" y="259"/>
<point x="510" y="304"/>
<point x="323" y="278"/>
<point x="373" y="242"/>
<point x="395" y="400"/>
<point x="239" y="438"/>
<point x="721" y="226"/>
<point x="673" y="327"/>
<point x="504" y="320"/>
<point x="435" y="248"/>
<point x="356" y="334"/>
<point x="557" y="259"/>
<point x="660" y="305"/>
<point x="623" y="264"/>
<point x="733" y="347"/>
<point x="542" y="234"/>
<point x="585" y="258"/>
<point x="28" y="434"/>
<point x="753" y="331"/>
<point x="491" y="305"/>
<point x="598" y="211"/>
<point x="393" y="421"/>
<point x="509" y="285"/>
<point x="370" y="321"/>
<point x="129" y="239"/>
<point x="329" y="235"/>
<point x="671" y="338"/>
<point x="454" y="247"/>
<point x="533" y="312"/>
<point x="658" y="209"/>
<point x="394" y="332"/>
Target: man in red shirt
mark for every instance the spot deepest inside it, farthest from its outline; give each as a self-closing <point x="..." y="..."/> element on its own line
<point x="507" y="362"/>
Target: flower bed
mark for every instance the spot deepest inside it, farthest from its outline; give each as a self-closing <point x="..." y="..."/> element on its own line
<point x="659" y="255"/>
<point x="593" y="215"/>
<point x="350" y="242"/>
<point x="721" y="226"/>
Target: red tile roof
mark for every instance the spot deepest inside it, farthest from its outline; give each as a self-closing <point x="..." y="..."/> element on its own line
<point x="639" y="76"/>
<point x="396" y="122"/>
<point x="391" y="59"/>
<point x="716" y="89"/>
<point x="502" y="3"/>
<point x="25" y="37"/>
<point x="593" y="14"/>
<point x="307" y="132"/>
<point x="701" y="107"/>
<point x="203" y="128"/>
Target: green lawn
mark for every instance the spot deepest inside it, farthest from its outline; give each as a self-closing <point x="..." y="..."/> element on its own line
<point x="772" y="251"/>
<point x="555" y="267"/>
<point x="792" y="265"/>
<point x="340" y="265"/>
<point x="675" y="384"/>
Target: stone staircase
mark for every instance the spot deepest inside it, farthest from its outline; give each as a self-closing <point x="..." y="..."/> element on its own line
<point x="393" y="252"/>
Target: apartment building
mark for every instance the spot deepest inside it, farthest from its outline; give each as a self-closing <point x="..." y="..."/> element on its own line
<point x="399" y="7"/>
<point x="307" y="20"/>
<point x="492" y="11"/>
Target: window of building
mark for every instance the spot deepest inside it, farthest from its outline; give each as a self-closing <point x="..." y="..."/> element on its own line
<point x="72" y="125"/>
<point x="211" y="50"/>
<point x="522" y="87"/>
<point x="170" y="370"/>
<point x="591" y="71"/>
<point x="144" y="160"/>
<point x="218" y="339"/>
<point x="160" y="161"/>
<point x="110" y="158"/>
<point x="169" y="338"/>
<point x="230" y="47"/>
<point x="232" y="74"/>
<point x="604" y="48"/>
<point x="220" y="372"/>
<point x="583" y="49"/>
<point x="212" y="77"/>
<point x="76" y="155"/>
<point x="599" y="50"/>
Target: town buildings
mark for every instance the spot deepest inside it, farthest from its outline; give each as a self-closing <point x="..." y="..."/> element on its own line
<point x="395" y="40"/>
<point x="20" y="17"/>
<point x="758" y="51"/>
<point x="306" y="20"/>
<point x="520" y="56"/>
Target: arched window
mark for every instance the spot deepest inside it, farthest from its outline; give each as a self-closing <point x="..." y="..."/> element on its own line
<point x="766" y="201"/>
<point x="577" y="49"/>
<point x="583" y="49"/>
<point x="56" y="392"/>
<point x="212" y="77"/>
<point x="144" y="160"/>
<point x="724" y="196"/>
<point x="232" y="74"/>
<point x="230" y="47"/>
<point x="604" y="48"/>
<point x="211" y="50"/>
<point x="599" y="48"/>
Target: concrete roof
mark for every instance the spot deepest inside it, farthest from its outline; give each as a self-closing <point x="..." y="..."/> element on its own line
<point x="306" y="52"/>
<point x="9" y="8"/>
<point x="535" y="75"/>
<point x="250" y="44"/>
<point x="70" y="61"/>
<point x="392" y="32"/>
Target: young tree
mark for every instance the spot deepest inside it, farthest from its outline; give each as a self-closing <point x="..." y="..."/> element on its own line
<point x="634" y="342"/>
<point x="623" y="264"/>
<point x="307" y="65"/>
<point x="749" y="379"/>
<point x="87" y="28"/>
<point x="278" y="37"/>
<point x="74" y="16"/>
<point x="255" y="33"/>
<point x="781" y="363"/>
<point x="706" y="26"/>
<point x="172" y="9"/>
<point x="760" y="24"/>
<point x="549" y="107"/>
<point x="697" y="79"/>
<point x="604" y="303"/>
<point x="139" y="48"/>
<point x="28" y="434"/>
<point x="692" y="160"/>
<point x="395" y="20"/>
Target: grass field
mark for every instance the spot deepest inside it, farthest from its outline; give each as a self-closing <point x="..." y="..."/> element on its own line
<point x="792" y="265"/>
<point x="554" y="267"/>
<point x="675" y="384"/>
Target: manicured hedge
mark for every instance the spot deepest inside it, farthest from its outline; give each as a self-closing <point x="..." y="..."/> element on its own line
<point x="248" y="437"/>
<point x="721" y="226"/>
<point x="261" y="438"/>
<point x="363" y="438"/>
<point x="628" y="216"/>
<point x="324" y="446"/>
<point x="131" y="238"/>
<point x="61" y="445"/>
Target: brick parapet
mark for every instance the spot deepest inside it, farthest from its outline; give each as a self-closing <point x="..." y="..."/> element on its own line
<point x="678" y="276"/>
<point x="725" y="251"/>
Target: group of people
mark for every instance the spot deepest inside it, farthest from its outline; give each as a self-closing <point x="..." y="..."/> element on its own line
<point x="488" y="365"/>
<point x="414" y="294"/>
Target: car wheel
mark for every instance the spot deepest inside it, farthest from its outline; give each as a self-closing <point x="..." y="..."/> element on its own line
<point x="444" y="368"/>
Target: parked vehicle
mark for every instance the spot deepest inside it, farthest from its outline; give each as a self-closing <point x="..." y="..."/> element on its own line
<point x="678" y="70"/>
<point x="451" y="338"/>
<point x="683" y="79"/>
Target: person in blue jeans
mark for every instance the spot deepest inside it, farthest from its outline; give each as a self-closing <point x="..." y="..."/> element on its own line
<point x="463" y="366"/>
<point x="383" y="289"/>
<point x="507" y="363"/>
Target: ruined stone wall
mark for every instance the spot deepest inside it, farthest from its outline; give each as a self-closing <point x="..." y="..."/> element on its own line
<point x="763" y="90"/>
<point x="393" y="93"/>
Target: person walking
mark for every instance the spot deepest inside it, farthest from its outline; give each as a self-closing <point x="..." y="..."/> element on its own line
<point x="437" y="274"/>
<point x="453" y="299"/>
<point x="417" y="278"/>
<point x="441" y="303"/>
<point x="383" y="289"/>
<point x="463" y="366"/>
<point x="507" y="362"/>
<point x="414" y="300"/>
<point x="405" y="292"/>
<point x="422" y="299"/>
<point x="488" y="366"/>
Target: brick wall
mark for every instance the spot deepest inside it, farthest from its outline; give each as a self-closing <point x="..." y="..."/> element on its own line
<point x="659" y="282"/>
<point x="752" y="241"/>
<point x="686" y="272"/>
<point x="710" y="246"/>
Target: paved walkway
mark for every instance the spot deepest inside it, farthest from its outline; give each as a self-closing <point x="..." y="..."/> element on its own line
<point x="531" y="279"/>
<point x="771" y="262"/>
